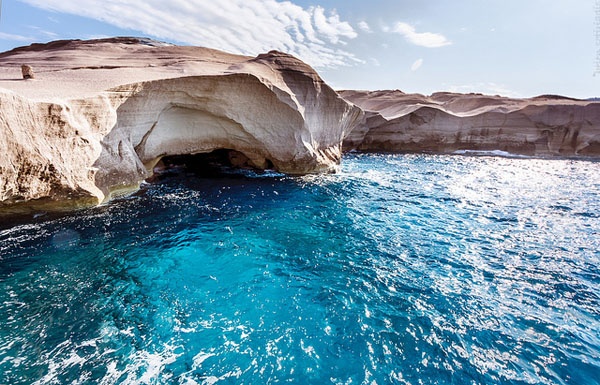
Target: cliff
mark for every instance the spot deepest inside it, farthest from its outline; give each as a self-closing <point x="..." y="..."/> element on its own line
<point x="100" y="114"/>
<point x="445" y="122"/>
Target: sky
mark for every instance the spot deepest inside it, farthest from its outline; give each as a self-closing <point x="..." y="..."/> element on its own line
<point x="517" y="48"/>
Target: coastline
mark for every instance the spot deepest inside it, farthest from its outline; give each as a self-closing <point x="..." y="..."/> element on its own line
<point x="100" y="114"/>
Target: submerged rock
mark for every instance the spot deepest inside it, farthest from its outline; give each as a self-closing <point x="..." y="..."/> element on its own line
<point x="454" y="123"/>
<point x="104" y="112"/>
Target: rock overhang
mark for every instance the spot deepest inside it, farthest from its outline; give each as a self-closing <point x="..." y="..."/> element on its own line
<point x="100" y="140"/>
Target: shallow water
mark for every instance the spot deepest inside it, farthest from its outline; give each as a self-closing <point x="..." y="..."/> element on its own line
<point x="400" y="269"/>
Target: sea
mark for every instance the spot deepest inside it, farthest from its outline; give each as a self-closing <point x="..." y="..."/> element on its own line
<point x="399" y="269"/>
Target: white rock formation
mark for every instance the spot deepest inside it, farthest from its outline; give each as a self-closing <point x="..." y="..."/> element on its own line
<point x="447" y="123"/>
<point x="100" y="114"/>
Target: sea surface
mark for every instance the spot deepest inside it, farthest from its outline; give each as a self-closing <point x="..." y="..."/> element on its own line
<point x="400" y="269"/>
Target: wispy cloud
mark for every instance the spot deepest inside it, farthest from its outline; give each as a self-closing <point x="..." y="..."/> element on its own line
<point x="247" y="27"/>
<point x="416" y="65"/>
<point x="488" y="88"/>
<point x="11" y="37"/>
<point x="43" y="32"/>
<point x="423" y="39"/>
<point x="364" y="26"/>
<point x="374" y="62"/>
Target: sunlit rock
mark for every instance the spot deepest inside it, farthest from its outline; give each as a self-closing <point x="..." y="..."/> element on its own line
<point x="447" y="122"/>
<point x="102" y="113"/>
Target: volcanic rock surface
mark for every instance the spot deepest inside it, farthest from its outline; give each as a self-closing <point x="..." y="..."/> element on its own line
<point x="457" y="123"/>
<point x="100" y="114"/>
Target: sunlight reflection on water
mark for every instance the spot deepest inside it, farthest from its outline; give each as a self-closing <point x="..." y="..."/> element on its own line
<point x="401" y="268"/>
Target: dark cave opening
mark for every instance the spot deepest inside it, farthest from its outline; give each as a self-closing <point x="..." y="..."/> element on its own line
<point x="215" y="164"/>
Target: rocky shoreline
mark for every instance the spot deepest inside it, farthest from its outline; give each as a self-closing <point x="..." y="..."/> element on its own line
<point x="101" y="114"/>
<point x="95" y="117"/>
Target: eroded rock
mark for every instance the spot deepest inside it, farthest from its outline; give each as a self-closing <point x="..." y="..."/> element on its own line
<point x="453" y="123"/>
<point x="27" y="72"/>
<point x="123" y="115"/>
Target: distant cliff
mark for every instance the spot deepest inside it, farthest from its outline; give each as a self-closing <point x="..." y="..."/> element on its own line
<point x="444" y="122"/>
<point x="100" y="114"/>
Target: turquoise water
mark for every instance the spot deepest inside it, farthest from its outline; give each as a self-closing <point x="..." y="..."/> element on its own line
<point x="401" y="269"/>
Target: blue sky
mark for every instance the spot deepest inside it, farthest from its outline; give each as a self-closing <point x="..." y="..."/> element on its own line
<point x="517" y="48"/>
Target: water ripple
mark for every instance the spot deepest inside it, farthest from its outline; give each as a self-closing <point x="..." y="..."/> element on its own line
<point x="404" y="269"/>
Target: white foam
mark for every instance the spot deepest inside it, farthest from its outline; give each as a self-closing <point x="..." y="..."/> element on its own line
<point x="200" y="358"/>
<point x="55" y="366"/>
<point x="153" y="363"/>
<point x="184" y="330"/>
<point x="210" y="380"/>
<point x="112" y="374"/>
<point x="128" y="332"/>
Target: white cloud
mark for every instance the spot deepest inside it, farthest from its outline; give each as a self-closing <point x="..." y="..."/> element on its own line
<point x="423" y="39"/>
<point x="416" y="65"/>
<point x="11" y="37"/>
<point x="364" y="26"/>
<point x="247" y="27"/>
<point x="43" y="32"/>
<point x="331" y="26"/>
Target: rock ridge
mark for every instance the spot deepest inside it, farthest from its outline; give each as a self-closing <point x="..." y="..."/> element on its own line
<point x="445" y="122"/>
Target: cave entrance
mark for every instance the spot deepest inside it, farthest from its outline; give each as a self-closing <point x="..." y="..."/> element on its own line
<point x="215" y="164"/>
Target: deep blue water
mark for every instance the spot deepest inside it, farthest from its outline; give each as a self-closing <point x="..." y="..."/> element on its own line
<point x="401" y="269"/>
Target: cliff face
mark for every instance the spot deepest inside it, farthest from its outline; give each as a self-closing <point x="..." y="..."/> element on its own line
<point x="448" y="123"/>
<point x="100" y="114"/>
